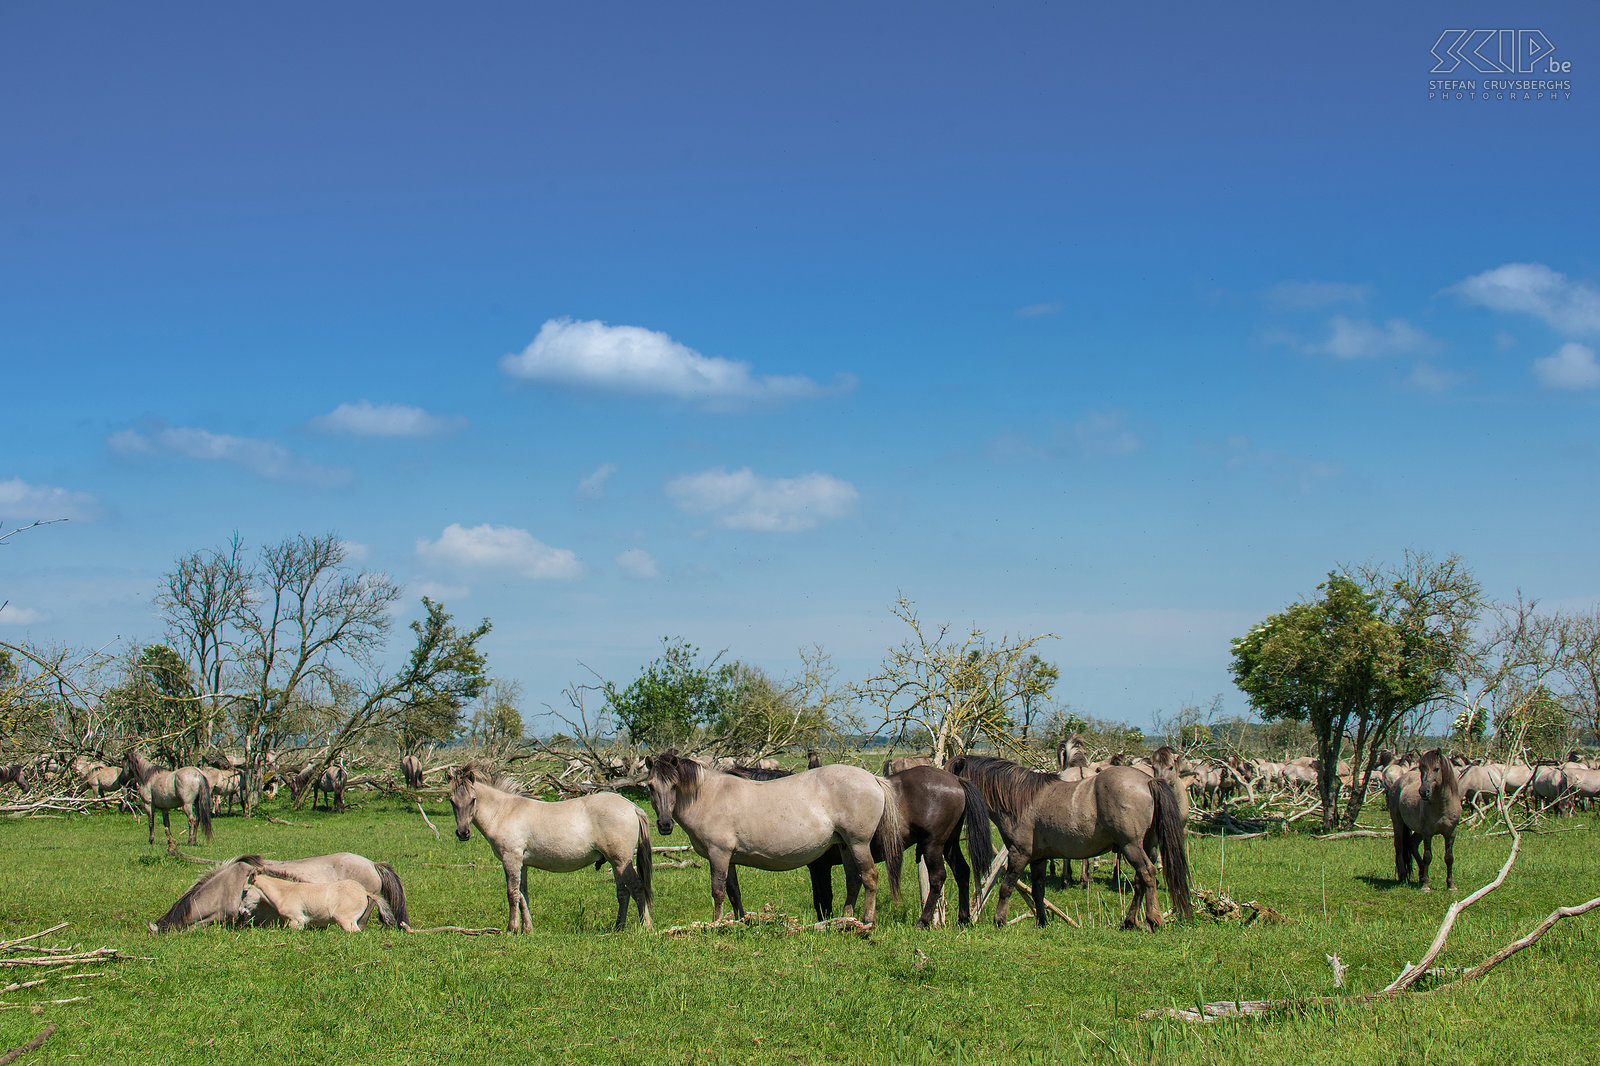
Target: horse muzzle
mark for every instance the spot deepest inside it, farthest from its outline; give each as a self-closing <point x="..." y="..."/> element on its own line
<point x="664" y="826"/>
<point x="463" y="834"/>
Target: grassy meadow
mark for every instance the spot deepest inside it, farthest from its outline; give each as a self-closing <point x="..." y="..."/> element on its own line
<point x="574" y="991"/>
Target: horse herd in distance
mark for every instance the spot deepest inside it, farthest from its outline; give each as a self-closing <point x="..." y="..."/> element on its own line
<point x="821" y="817"/>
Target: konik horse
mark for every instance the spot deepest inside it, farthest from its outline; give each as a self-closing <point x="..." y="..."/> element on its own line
<point x="1425" y="801"/>
<point x="778" y="825"/>
<point x="217" y="895"/>
<point x="167" y="790"/>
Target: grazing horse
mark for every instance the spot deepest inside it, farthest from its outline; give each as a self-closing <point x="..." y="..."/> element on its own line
<point x="905" y="762"/>
<point x="1120" y="809"/>
<point x="561" y="837"/>
<point x="780" y="824"/>
<point x="331" y="784"/>
<point x="299" y="905"/>
<point x="15" y="774"/>
<point x="166" y="790"/>
<point x="216" y="896"/>
<point x="411" y="771"/>
<point x="934" y="804"/>
<point x="224" y="785"/>
<point x="1427" y="800"/>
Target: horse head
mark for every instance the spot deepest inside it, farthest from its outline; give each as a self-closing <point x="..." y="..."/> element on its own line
<point x="464" y="798"/>
<point x="1433" y="767"/>
<point x="669" y="774"/>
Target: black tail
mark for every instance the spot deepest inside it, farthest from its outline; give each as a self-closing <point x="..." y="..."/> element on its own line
<point x="644" y="860"/>
<point x="1402" y="851"/>
<point x="202" y="805"/>
<point x="1174" y="856"/>
<point x="394" y="893"/>
<point x="980" y="847"/>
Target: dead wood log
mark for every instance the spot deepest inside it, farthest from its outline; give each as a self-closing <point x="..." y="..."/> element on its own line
<point x="33" y="1045"/>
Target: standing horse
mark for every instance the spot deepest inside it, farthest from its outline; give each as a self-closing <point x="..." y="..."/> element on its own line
<point x="780" y="824"/>
<point x="166" y="790"/>
<point x="411" y="771"/>
<point x="560" y="837"/>
<point x="15" y="774"/>
<point x="1120" y="809"/>
<point x="1427" y="800"/>
<point x="332" y="784"/>
<point x="217" y="895"/>
<point x="934" y="804"/>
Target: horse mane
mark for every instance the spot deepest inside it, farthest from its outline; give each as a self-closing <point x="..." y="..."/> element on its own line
<point x="679" y="771"/>
<point x="1447" y="775"/>
<point x="756" y="773"/>
<point x="1004" y="784"/>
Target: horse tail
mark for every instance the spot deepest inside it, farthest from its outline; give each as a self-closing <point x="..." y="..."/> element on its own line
<point x="394" y="894"/>
<point x="1169" y="837"/>
<point x="385" y="913"/>
<point x="202" y="807"/>
<point x="980" y="846"/>
<point x="644" y="860"/>
<point x="891" y="835"/>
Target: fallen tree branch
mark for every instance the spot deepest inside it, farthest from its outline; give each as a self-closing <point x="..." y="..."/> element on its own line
<point x="1027" y="894"/>
<point x="280" y="821"/>
<point x="1517" y="945"/>
<point x="429" y="824"/>
<point x="1348" y="833"/>
<point x="463" y="930"/>
<point x="32" y="1045"/>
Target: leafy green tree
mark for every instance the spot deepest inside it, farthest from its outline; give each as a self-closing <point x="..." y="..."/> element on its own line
<point x="675" y="695"/>
<point x="1376" y="646"/>
<point x="498" y="718"/>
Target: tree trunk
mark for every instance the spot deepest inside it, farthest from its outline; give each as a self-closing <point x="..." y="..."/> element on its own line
<point x="1328" y="778"/>
<point x="1358" y="795"/>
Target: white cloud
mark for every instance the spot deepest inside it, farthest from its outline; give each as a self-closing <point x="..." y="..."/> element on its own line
<point x="365" y="419"/>
<point x="1573" y="366"/>
<point x="1359" y="339"/>
<point x="442" y="593"/>
<point x="355" y="552"/>
<point x="631" y="359"/>
<point x="267" y="458"/>
<point x="19" y="616"/>
<point x="593" y="486"/>
<point x="22" y="502"/>
<point x="745" y="500"/>
<point x="1568" y="306"/>
<point x="489" y="547"/>
<point x="1097" y="434"/>
<point x="1240" y="453"/>
<point x="636" y="562"/>
<point x="1302" y="295"/>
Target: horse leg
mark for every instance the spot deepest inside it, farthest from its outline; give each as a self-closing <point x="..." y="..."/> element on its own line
<point x="721" y="867"/>
<point x="166" y="823"/>
<point x="522" y="898"/>
<point x="514" y="903"/>
<point x="933" y="857"/>
<point x="1144" y="888"/>
<point x="963" y="872"/>
<point x="1036" y="875"/>
<point x="620" y="876"/>
<point x="734" y="895"/>
<point x="1088" y="866"/>
<point x="852" y="883"/>
<point x="1450" y="860"/>
<point x="150" y="812"/>
<point x="867" y="874"/>
<point x="821" y="870"/>
<point x="1422" y="867"/>
<point x="1016" y="860"/>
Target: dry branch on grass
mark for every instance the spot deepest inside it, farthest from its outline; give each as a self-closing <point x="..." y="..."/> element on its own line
<point x="32" y="1045"/>
<point x="1411" y="974"/>
<point x="461" y="929"/>
<point x="60" y="963"/>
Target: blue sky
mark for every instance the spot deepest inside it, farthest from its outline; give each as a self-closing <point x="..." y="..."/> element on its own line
<point x="732" y="324"/>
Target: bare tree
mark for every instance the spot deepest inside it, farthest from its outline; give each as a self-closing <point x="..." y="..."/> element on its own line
<point x="1505" y="668"/>
<point x="1581" y="669"/>
<point x="204" y="600"/>
<point x="959" y="690"/>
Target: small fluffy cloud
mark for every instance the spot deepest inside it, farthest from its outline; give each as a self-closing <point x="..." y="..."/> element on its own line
<point x="1302" y="295"/>
<point x="22" y="502"/>
<point x="1567" y="306"/>
<point x="745" y="500"/>
<point x="631" y="359"/>
<point x="593" y="486"/>
<point x="267" y="458"/>
<point x="504" y="548"/>
<point x="1572" y="367"/>
<point x="636" y="562"/>
<point x="19" y="616"/>
<point x="1359" y="339"/>
<point x="365" y="419"/>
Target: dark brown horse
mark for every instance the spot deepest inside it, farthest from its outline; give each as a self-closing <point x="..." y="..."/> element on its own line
<point x="1423" y="802"/>
<point x="1120" y="809"/>
<point x="15" y="774"/>
<point x="934" y="804"/>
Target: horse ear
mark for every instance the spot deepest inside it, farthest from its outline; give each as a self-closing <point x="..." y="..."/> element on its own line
<point x="649" y="763"/>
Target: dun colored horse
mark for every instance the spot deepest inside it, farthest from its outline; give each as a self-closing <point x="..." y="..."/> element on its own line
<point x="778" y="825"/>
<point x="168" y="790"/>
<point x="934" y="804"/>
<point x="411" y="771"/>
<point x="560" y="837"/>
<point x="1426" y="801"/>
<point x="216" y="896"/>
<point x="311" y="906"/>
<point x="15" y="774"/>
<point x="1120" y="809"/>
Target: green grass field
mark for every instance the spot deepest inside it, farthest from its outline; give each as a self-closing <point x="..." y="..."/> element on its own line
<point x="575" y="992"/>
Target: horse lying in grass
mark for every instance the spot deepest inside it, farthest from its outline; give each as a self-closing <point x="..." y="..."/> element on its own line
<point x="778" y="825"/>
<point x="217" y="896"/>
<point x="299" y="905"/>
<point x="561" y="837"/>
